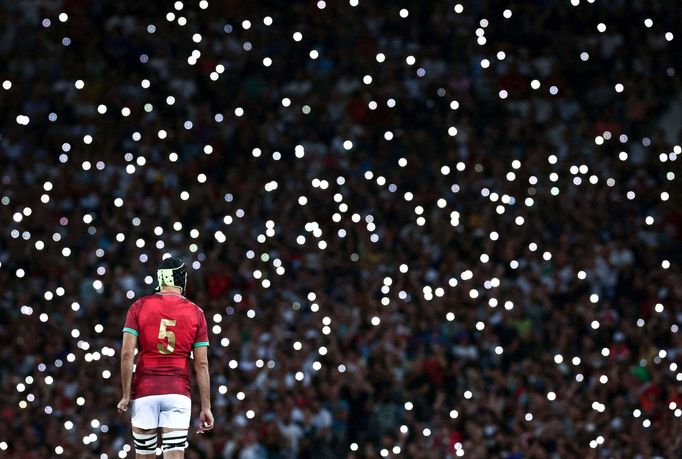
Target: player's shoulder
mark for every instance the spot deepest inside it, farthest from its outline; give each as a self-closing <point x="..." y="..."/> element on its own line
<point x="151" y="296"/>
<point x="192" y="304"/>
<point x="140" y="302"/>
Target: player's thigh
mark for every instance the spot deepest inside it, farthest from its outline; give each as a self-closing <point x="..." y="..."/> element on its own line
<point x="174" y="421"/>
<point x="173" y="443"/>
<point x="145" y="442"/>
<point x="175" y="412"/>
<point x="144" y="412"/>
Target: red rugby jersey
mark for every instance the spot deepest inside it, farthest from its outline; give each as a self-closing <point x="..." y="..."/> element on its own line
<point x="168" y="326"/>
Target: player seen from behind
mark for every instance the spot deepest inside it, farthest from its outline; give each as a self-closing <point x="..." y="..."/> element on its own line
<point x="167" y="329"/>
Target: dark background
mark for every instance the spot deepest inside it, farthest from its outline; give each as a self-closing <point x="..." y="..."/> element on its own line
<point x="415" y="363"/>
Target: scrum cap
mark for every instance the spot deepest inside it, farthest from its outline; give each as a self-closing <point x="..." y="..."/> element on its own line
<point x="173" y="273"/>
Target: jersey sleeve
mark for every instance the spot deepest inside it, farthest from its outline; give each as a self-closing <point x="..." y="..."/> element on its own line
<point x="132" y="324"/>
<point x="201" y="338"/>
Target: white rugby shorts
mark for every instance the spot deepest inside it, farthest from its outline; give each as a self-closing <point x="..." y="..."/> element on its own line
<point x="167" y="410"/>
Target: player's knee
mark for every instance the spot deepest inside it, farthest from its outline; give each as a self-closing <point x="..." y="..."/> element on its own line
<point x="175" y="440"/>
<point x="145" y="443"/>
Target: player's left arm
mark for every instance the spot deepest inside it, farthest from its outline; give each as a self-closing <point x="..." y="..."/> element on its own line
<point x="127" y="356"/>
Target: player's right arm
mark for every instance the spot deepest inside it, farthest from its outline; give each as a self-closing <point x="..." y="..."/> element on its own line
<point x="203" y="381"/>
<point x="200" y="351"/>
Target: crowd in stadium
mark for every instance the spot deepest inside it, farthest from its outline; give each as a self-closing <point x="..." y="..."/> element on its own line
<point x="450" y="259"/>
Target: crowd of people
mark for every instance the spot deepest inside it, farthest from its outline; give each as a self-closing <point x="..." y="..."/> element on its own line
<point x="427" y="230"/>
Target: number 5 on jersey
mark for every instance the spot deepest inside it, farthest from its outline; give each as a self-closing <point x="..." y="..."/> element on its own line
<point x="165" y="333"/>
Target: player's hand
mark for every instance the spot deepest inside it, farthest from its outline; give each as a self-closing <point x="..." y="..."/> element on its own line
<point x="205" y="421"/>
<point x="123" y="405"/>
